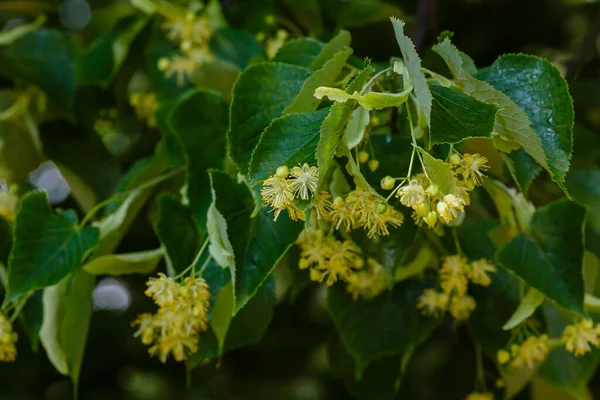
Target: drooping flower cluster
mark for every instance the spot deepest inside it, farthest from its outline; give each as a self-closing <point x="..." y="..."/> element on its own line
<point x="180" y="318"/>
<point x="455" y="274"/>
<point x="430" y="205"/>
<point x="8" y="339"/>
<point x="145" y="106"/>
<point x="192" y="32"/>
<point x="527" y="353"/>
<point x="331" y="260"/>
<point x="578" y="337"/>
<point x="361" y="209"/>
<point x="282" y="189"/>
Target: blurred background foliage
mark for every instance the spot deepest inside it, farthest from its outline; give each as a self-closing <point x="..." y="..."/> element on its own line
<point x="99" y="53"/>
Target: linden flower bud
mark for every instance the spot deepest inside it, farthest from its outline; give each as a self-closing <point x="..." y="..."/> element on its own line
<point x="433" y="190"/>
<point x="502" y="356"/>
<point x="388" y="183"/>
<point x="186" y="45"/>
<point x="431" y="219"/>
<point x="423" y="210"/>
<point x="381" y="208"/>
<point x="338" y="202"/>
<point x="282" y="172"/>
<point x="455" y="159"/>
<point x="363" y="157"/>
<point x="163" y="64"/>
<point x="373" y="165"/>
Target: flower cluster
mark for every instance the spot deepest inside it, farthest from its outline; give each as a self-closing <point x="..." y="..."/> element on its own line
<point x="455" y="274"/>
<point x="181" y="316"/>
<point x="8" y="338"/>
<point x="531" y="350"/>
<point x="430" y="205"/>
<point x="192" y="32"/>
<point x="331" y="260"/>
<point x="362" y="209"/>
<point x="578" y="337"/>
<point x="281" y="189"/>
<point x="145" y="106"/>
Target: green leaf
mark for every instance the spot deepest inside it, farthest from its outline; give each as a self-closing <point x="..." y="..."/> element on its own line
<point x="258" y="243"/>
<point x="340" y="42"/>
<point x="220" y="247"/>
<point x="550" y="257"/>
<point x="355" y="130"/>
<point x="582" y="183"/>
<point x="177" y="233"/>
<point x="45" y="58"/>
<point x="260" y="94"/>
<point x="332" y="129"/>
<point x="561" y="369"/>
<point x="222" y="314"/>
<point x="308" y="13"/>
<point x="301" y="52"/>
<point x="239" y="47"/>
<point x="392" y="315"/>
<point x="522" y="168"/>
<point x="140" y="262"/>
<point x="514" y="210"/>
<point x="67" y="315"/>
<point x="537" y="87"/>
<point x="306" y="100"/>
<point x="46" y="247"/>
<point x="289" y="140"/>
<point x="512" y="122"/>
<point x="199" y="120"/>
<point x="107" y="53"/>
<point x="31" y="318"/>
<point x="528" y="305"/>
<point x="456" y="116"/>
<point x="413" y="65"/>
<point x="10" y="35"/>
<point x="439" y="173"/>
<point x="247" y="326"/>
<point x="358" y="13"/>
<point x="378" y="381"/>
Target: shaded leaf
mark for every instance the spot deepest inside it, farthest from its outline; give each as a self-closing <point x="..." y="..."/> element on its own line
<point x="239" y="47"/>
<point x="46" y="248"/>
<point x="355" y="130"/>
<point x="456" y="116"/>
<point x="340" y="42"/>
<point x="550" y="257"/>
<point x="301" y="51"/>
<point x="288" y="140"/>
<point x="67" y="315"/>
<point x="260" y="94"/>
<point x="439" y="173"/>
<point x="140" y="262"/>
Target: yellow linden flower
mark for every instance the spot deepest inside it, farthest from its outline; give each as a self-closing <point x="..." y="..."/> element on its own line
<point x="480" y="396"/>
<point x="8" y="339"/>
<point x="377" y="223"/>
<point x="145" y="106"/>
<point x="448" y="208"/>
<point x="180" y="66"/>
<point x="342" y="214"/>
<point x="322" y="205"/>
<point x="180" y="346"/>
<point x="276" y="193"/>
<point x="189" y="29"/>
<point x="578" y="337"/>
<point x="503" y="356"/>
<point x="478" y="273"/>
<point x="9" y="203"/>
<point x="295" y="212"/>
<point x="363" y="157"/>
<point x="412" y="194"/>
<point x="146" y="328"/>
<point x="461" y="306"/>
<point x="471" y="167"/>
<point x="343" y="260"/>
<point x="303" y="181"/>
<point x="432" y="302"/>
<point x="163" y="290"/>
<point x="368" y="283"/>
<point x="453" y="275"/>
<point x="531" y="350"/>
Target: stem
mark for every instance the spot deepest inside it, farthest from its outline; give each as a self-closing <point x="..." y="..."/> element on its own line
<point x="440" y="78"/>
<point x="480" y="377"/>
<point x="375" y="77"/>
<point x="456" y="241"/>
<point x="196" y="260"/>
<point x="19" y="308"/>
<point x="205" y="265"/>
